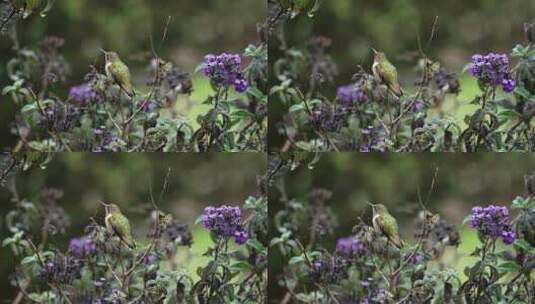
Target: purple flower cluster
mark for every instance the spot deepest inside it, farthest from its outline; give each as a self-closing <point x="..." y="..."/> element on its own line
<point x="328" y="117"/>
<point x="60" y="116"/>
<point x="82" y="247"/>
<point x="493" y="222"/>
<point x="350" y="94"/>
<point x="418" y="106"/>
<point x="150" y="259"/>
<point x="373" y="140"/>
<point x="225" y="222"/>
<point x="493" y="69"/>
<point x="415" y="259"/>
<point x="84" y="94"/>
<point x="329" y="269"/>
<point x="151" y="106"/>
<point x="61" y="269"/>
<point x="224" y="71"/>
<point x="350" y="247"/>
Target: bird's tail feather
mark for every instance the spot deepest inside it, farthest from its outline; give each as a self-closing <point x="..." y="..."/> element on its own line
<point x="398" y="242"/>
<point x="396" y="89"/>
<point x="129" y="243"/>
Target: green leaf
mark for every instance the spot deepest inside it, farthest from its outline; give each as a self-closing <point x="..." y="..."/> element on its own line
<point x="29" y="108"/>
<point x="466" y="220"/>
<point x="8" y="90"/>
<point x="509" y="267"/>
<point x="520" y="202"/>
<point x="240" y="267"/>
<point x="522" y="244"/>
<point x="8" y="241"/>
<point x="275" y="241"/>
<point x="29" y="259"/>
<point x="198" y="220"/>
<point x="296" y="259"/>
<point x="257" y="93"/>
<point x="508" y="114"/>
<point x="521" y="91"/>
<point x="240" y="114"/>
<point x="254" y="243"/>
<point x="297" y="107"/>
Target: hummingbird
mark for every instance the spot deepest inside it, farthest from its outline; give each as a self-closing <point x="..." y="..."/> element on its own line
<point x="385" y="72"/>
<point x="117" y="70"/>
<point x="386" y="224"/>
<point x="118" y="224"/>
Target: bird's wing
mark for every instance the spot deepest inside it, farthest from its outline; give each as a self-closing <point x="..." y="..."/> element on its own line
<point x="381" y="225"/>
<point x="123" y="231"/>
<point x="391" y="80"/>
<point x="388" y="226"/>
<point x="120" y="68"/>
<point x="391" y="225"/>
<point x="379" y="73"/>
<point x="390" y="71"/>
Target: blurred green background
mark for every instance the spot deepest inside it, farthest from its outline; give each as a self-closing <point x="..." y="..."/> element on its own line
<point x="196" y="28"/>
<point x="196" y="181"/>
<point x="393" y="179"/>
<point x="463" y="28"/>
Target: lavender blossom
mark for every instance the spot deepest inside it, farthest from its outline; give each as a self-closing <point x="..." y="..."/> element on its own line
<point x="415" y="259"/>
<point x="241" y="236"/>
<point x="329" y="118"/>
<point x="82" y="247"/>
<point x="493" y="70"/>
<point x="350" y="94"/>
<point x="329" y="269"/>
<point x="225" y="222"/>
<point x="84" y="95"/>
<point x="224" y="71"/>
<point x="61" y="269"/>
<point x="150" y="259"/>
<point x="350" y="247"/>
<point x="418" y="106"/>
<point x="493" y="222"/>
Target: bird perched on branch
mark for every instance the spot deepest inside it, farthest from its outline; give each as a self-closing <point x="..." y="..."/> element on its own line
<point x="386" y="224"/>
<point x="118" y="224"/>
<point x="118" y="71"/>
<point x="386" y="73"/>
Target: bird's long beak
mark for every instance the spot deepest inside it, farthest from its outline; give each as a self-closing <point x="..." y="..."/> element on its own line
<point x="374" y="51"/>
<point x="371" y="204"/>
<point x="103" y="204"/>
<point x="103" y="51"/>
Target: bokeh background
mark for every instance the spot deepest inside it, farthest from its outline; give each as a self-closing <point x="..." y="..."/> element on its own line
<point x="463" y="28"/>
<point x="393" y="179"/>
<point x="196" y="28"/>
<point x="195" y="181"/>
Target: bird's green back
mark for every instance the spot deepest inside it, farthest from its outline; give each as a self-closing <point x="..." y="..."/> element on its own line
<point x="120" y="70"/>
<point x="388" y="224"/>
<point x="388" y="71"/>
<point x="121" y="225"/>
